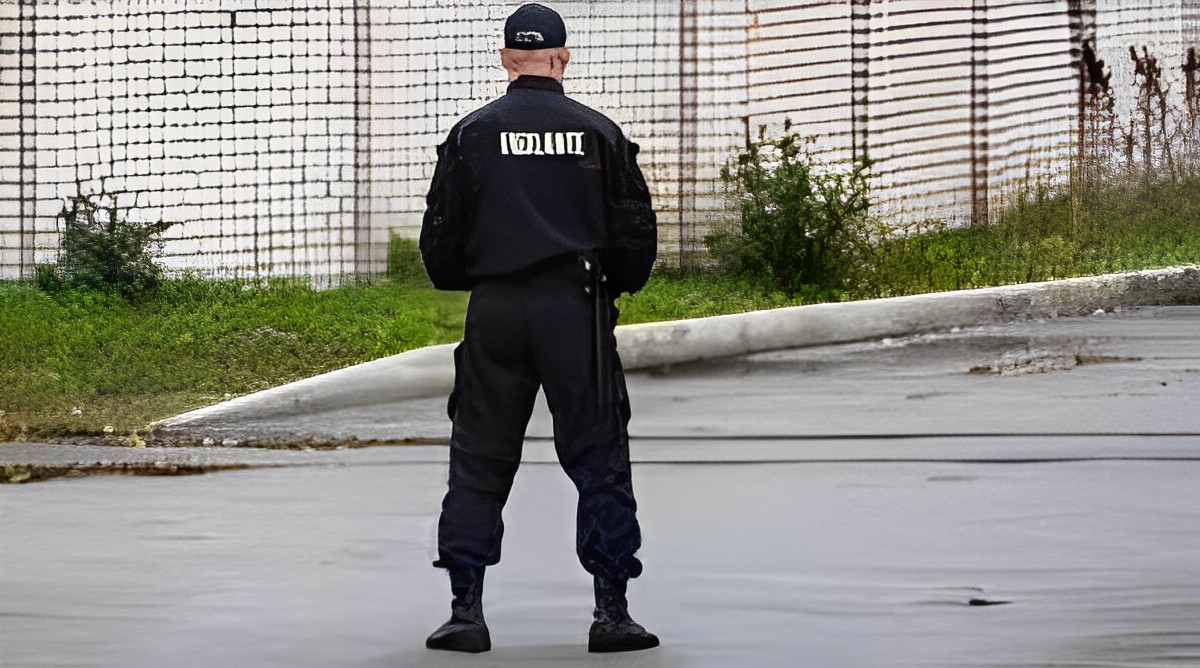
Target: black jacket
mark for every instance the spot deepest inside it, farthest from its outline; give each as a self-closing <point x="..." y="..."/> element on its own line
<point x="531" y="176"/>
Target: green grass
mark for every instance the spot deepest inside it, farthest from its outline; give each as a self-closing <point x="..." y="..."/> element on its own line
<point x="675" y="295"/>
<point x="75" y="362"/>
<point x="1118" y="229"/>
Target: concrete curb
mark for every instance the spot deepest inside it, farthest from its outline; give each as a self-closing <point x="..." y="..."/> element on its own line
<point x="417" y="373"/>
<point x="430" y="371"/>
<point x="666" y="343"/>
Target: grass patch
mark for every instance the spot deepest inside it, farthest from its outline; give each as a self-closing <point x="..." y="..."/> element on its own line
<point x="1118" y="229"/>
<point x="675" y="295"/>
<point x="78" y="361"/>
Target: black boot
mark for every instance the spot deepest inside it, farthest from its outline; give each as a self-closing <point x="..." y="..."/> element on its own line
<point x="614" y="630"/>
<point x="466" y="630"/>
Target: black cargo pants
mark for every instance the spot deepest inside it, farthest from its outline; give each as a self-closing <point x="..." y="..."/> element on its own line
<point x="525" y="331"/>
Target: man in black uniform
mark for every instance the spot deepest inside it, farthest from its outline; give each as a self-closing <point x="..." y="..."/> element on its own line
<point x="537" y="206"/>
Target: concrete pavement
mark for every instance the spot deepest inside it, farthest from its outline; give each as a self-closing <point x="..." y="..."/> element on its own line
<point x="780" y="560"/>
<point x="1013" y="494"/>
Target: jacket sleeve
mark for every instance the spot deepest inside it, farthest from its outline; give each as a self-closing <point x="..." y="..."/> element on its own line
<point x="446" y="223"/>
<point x="632" y="226"/>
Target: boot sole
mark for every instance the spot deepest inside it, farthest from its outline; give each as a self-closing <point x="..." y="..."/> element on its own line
<point x="472" y="642"/>
<point x="621" y="644"/>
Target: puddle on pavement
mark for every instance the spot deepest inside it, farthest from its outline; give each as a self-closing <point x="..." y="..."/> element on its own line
<point x="1030" y="361"/>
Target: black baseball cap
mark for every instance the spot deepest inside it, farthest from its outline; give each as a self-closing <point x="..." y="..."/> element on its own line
<point x="534" y="26"/>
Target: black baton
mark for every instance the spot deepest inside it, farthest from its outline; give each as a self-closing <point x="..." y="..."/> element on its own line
<point x="594" y="281"/>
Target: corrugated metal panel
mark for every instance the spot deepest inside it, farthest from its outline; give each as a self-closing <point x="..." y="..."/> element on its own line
<point x="1153" y="28"/>
<point x="958" y="103"/>
<point x="1031" y="95"/>
<point x="799" y="68"/>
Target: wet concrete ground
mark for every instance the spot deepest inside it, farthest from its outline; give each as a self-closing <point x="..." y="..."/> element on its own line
<point x="836" y="506"/>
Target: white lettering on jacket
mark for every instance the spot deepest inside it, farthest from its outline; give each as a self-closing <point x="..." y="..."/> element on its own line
<point x="541" y="143"/>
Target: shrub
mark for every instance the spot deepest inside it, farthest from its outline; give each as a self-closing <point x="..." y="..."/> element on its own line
<point x="801" y="227"/>
<point x="101" y="250"/>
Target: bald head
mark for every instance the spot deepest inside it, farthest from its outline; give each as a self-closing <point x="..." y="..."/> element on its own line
<point x="538" y="62"/>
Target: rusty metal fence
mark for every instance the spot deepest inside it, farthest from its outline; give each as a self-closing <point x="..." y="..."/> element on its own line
<point x="294" y="137"/>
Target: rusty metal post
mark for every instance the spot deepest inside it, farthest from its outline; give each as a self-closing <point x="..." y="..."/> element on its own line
<point x="980" y="149"/>
<point x="1081" y="16"/>
<point x="364" y="263"/>
<point x="27" y="171"/>
<point x="689" y="84"/>
<point x="860" y="79"/>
